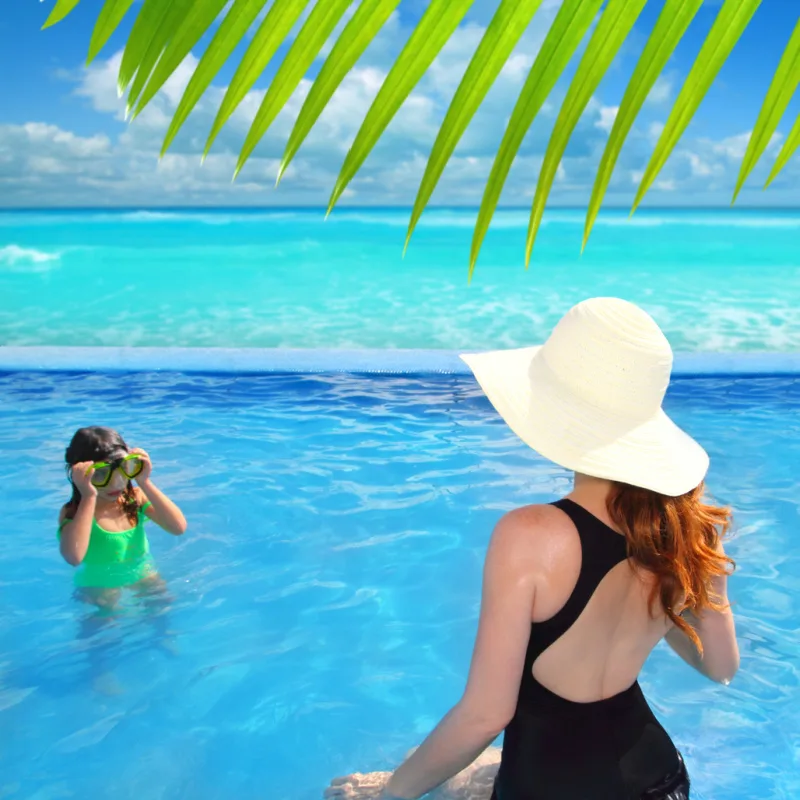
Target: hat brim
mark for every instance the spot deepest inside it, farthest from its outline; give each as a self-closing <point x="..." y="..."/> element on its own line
<point x="654" y="453"/>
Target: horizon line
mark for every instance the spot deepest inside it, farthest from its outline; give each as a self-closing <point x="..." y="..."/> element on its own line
<point x="322" y="208"/>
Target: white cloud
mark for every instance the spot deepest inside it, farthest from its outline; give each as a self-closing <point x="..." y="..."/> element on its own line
<point x="736" y="146"/>
<point x="654" y="130"/>
<point x="661" y="91"/>
<point x="607" y="116"/>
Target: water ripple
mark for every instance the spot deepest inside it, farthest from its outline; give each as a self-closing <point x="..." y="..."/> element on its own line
<point x="324" y="601"/>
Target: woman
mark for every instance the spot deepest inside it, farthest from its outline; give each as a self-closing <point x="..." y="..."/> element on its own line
<point x="577" y="593"/>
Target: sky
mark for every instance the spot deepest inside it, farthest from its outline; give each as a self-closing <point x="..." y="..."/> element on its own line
<point x="64" y="140"/>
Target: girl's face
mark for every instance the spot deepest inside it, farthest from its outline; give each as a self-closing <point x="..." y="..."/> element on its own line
<point x="118" y="481"/>
<point x="116" y="486"/>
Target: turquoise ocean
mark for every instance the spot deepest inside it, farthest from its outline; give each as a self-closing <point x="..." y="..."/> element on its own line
<point x="715" y="280"/>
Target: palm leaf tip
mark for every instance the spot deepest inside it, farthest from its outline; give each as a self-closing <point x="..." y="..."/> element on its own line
<point x="730" y="23"/>
<point x="781" y="90"/>
<point x="61" y="9"/>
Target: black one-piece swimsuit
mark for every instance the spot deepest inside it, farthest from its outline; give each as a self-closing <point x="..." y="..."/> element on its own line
<point x="612" y="749"/>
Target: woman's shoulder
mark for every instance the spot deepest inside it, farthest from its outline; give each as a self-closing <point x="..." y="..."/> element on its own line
<point x="539" y="532"/>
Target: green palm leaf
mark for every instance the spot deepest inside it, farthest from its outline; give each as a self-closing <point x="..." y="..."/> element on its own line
<point x="60" y="10"/>
<point x="370" y="17"/>
<point x="668" y="31"/>
<point x="787" y="151"/>
<point x="436" y="26"/>
<point x="183" y="31"/>
<point x="166" y="31"/>
<point x="615" y="25"/>
<point x="781" y="90"/>
<point x="280" y="19"/>
<point x="562" y="40"/>
<point x="155" y="40"/>
<point x="149" y="20"/>
<point x="729" y="25"/>
<point x="230" y="33"/>
<point x="507" y="26"/>
<point x="107" y="22"/>
<point x="319" y="26"/>
<point x="187" y="33"/>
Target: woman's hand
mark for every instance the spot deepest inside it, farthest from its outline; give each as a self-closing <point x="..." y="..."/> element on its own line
<point x="82" y="478"/>
<point x="359" y="786"/>
<point x="147" y="469"/>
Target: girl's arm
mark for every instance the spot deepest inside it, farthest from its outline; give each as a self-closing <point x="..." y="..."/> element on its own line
<point x="162" y="510"/>
<point x="75" y="533"/>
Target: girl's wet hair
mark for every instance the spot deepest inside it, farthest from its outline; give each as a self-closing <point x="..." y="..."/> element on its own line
<point x="94" y="444"/>
<point x="97" y="443"/>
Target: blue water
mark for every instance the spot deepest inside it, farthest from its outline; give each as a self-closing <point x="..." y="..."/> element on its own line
<point x="325" y="597"/>
<point x="714" y="280"/>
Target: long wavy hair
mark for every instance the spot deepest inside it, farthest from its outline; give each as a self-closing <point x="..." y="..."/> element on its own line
<point x="676" y="540"/>
<point x="97" y="444"/>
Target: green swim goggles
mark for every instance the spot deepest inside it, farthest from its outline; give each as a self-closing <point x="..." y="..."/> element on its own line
<point x="130" y="466"/>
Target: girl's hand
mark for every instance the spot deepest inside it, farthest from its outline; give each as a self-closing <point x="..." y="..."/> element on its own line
<point x="144" y="475"/>
<point x="82" y="478"/>
<point x="358" y="786"/>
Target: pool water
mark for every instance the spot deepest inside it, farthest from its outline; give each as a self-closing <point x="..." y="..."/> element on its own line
<point x="325" y="598"/>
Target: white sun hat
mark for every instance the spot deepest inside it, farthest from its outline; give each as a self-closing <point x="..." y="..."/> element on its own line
<point x="589" y="399"/>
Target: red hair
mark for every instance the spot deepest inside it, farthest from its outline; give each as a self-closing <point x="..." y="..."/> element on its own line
<point x="676" y="539"/>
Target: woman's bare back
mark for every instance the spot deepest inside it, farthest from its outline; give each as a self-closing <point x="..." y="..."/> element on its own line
<point x="602" y="653"/>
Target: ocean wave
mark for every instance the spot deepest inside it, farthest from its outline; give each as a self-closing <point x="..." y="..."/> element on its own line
<point x="203" y="216"/>
<point x="438" y="218"/>
<point x="13" y="255"/>
<point x="507" y="219"/>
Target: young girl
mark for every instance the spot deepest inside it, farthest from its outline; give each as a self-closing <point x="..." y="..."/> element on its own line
<point x="101" y="528"/>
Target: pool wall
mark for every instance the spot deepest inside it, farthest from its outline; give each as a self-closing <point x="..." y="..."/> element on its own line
<point x="392" y="362"/>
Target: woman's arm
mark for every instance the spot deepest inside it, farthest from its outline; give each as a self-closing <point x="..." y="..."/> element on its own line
<point x="162" y="511"/>
<point x="490" y="698"/>
<point x="717" y="632"/>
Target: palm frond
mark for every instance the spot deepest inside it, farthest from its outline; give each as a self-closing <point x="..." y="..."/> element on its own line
<point x="787" y="151"/>
<point x="280" y="19"/>
<point x="175" y="48"/>
<point x="784" y="85"/>
<point x="60" y="10"/>
<point x="731" y="21"/>
<point x="614" y="26"/>
<point x="565" y="35"/>
<point x="433" y="31"/>
<point x="322" y="20"/>
<point x="111" y="14"/>
<point x="165" y="33"/>
<point x="360" y="31"/>
<point x="237" y="22"/>
<point x="149" y="20"/>
<point x="502" y="35"/>
<point x="669" y="29"/>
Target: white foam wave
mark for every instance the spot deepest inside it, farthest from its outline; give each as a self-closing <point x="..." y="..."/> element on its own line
<point x="520" y="219"/>
<point x="13" y="255"/>
<point x="148" y="216"/>
<point x="439" y="218"/>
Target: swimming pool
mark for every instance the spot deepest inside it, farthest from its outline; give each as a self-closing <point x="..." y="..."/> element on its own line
<point x="326" y="594"/>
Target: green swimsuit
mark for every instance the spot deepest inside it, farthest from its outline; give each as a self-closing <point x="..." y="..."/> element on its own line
<point x="115" y="559"/>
